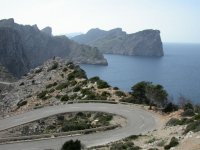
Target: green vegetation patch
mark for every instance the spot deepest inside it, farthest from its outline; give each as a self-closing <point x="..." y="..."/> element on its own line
<point x="120" y="93"/>
<point x="174" y="142"/>
<point x="64" y="98"/>
<point x="51" y="85"/>
<point x="72" y="145"/>
<point x="62" y="86"/>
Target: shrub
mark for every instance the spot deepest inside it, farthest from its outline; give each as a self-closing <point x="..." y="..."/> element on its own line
<point x="104" y="118"/>
<point x="22" y="83"/>
<point x="72" y="125"/>
<point x="62" y="86"/>
<point x="120" y="93"/>
<point x="73" y="82"/>
<point x="102" y="84"/>
<point x="42" y="95"/>
<point x="91" y="95"/>
<point x="174" y="142"/>
<point x="70" y="65"/>
<point x="50" y="127"/>
<point x="105" y="94"/>
<point x="74" y="96"/>
<point x="51" y="90"/>
<point x="188" y="106"/>
<point x="174" y="122"/>
<point x="65" y="98"/>
<point x="51" y="85"/>
<point x="78" y="73"/>
<point x="76" y="89"/>
<point x="71" y="145"/>
<point x="161" y="143"/>
<point x="62" y="75"/>
<point x="54" y="66"/>
<point x="124" y="146"/>
<point x="188" y="112"/>
<point x="94" y="79"/>
<point x="197" y="117"/>
<point x="193" y="126"/>
<point x="65" y="69"/>
<point x="60" y="118"/>
<point x="21" y="103"/>
<point x="38" y="70"/>
<point x="70" y="76"/>
<point x="170" y="107"/>
<point x="197" y="108"/>
<point x="116" y="88"/>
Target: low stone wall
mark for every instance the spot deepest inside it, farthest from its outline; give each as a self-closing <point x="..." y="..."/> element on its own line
<point x="53" y="135"/>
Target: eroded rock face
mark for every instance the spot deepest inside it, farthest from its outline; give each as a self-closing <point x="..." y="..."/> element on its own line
<point x="25" y="47"/>
<point x="116" y="41"/>
<point x="12" y="55"/>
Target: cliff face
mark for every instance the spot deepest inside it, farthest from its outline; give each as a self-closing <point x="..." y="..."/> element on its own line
<point x="12" y="52"/>
<point x="30" y="47"/>
<point x="116" y="41"/>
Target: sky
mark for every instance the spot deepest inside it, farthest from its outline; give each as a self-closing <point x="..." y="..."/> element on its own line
<point x="178" y="20"/>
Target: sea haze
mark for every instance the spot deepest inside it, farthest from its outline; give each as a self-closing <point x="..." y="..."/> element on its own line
<point x="178" y="71"/>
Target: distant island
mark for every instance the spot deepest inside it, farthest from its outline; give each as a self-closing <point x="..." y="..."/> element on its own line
<point x="24" y="47"/>
<point x="116" y="41"/>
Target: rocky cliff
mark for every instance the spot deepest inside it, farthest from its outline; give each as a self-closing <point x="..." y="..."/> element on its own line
<point x="24" y="47"/>
<point x="116" y="41"/>
<point x="13" y="56"/>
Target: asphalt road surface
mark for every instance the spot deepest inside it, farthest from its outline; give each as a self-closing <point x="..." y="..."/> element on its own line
<point x="138" y="122"/>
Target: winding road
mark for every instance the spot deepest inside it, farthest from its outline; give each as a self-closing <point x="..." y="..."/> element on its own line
<point x="138" y="121"/>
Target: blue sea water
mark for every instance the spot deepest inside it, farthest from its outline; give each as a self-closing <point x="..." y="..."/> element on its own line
<point x="178" y="71"/>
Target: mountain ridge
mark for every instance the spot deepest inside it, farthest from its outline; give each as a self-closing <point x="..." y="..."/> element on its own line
<point x="116" y="41"/>
<point x="39" y="46"/>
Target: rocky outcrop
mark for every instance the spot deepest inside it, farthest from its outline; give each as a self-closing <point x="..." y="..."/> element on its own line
<point x="116" y="41"/>
<point x="25" y="47"/>
<point x="47" y="30"/>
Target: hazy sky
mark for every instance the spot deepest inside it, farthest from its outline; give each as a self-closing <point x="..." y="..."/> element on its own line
<point x="178" y="20"/>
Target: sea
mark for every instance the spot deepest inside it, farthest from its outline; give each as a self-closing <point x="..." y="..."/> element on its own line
<point x="178" y="71"/>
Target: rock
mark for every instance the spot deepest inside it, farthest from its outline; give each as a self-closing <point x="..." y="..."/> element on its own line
<point x="116" y="41"/>
<point x="47" y="30"/>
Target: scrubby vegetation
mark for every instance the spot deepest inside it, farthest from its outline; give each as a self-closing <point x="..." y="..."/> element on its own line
<point x="21" y="103"/>
<point x="71" y="145"/>
<point x="64" y="98"/>
<point x="77" y="73"/>
<point x="124" y="144"/>
<point x="102" y="84"/>
<point x="63" y="123"/>
<point x="62" y="86"/>
<point x="51" y="85"/>
<point x="120" y="93"/>
<point x="174" y="142"/>
<point x="42" y="95"/>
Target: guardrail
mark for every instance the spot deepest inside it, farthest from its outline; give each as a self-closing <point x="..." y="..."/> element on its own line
<point x="53" y="135"/>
